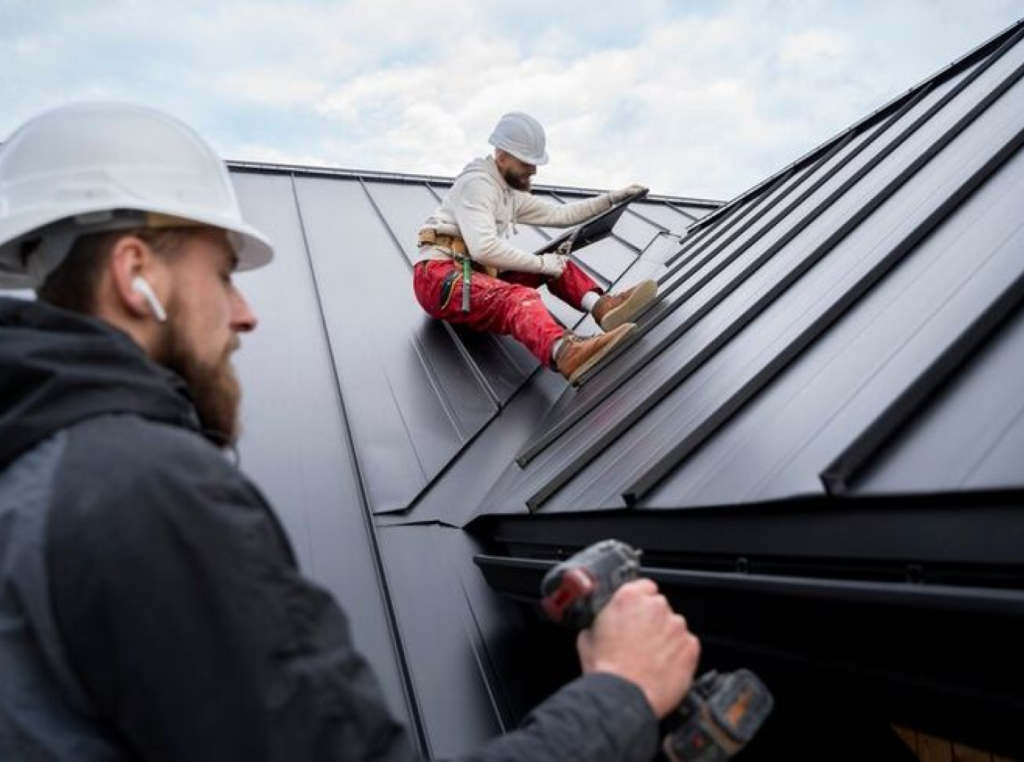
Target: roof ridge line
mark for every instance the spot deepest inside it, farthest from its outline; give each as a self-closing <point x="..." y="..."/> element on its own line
<point x="408" y="177"/>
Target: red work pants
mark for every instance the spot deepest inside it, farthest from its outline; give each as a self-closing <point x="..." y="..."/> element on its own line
<point x="507" y="304"/>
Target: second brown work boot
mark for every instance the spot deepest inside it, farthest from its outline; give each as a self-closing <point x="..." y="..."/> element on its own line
<point x="612" y="310"/>
<point x="577" y="354"/>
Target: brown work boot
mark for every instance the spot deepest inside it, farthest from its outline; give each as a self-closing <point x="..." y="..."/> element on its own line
<point x="577" y="354"/>
<point x="612" y="310"/>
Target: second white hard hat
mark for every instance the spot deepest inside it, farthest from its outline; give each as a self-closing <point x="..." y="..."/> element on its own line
<point x="93" y="167"/>
<point x="522" y="136"/>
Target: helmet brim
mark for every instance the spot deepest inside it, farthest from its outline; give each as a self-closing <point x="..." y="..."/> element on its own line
<point x="536" y="161"/>
<point x="252" y="247"/>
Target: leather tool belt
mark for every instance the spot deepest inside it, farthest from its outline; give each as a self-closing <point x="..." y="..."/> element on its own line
<point x="459" y="252"/>
<point x="454" y="243"/>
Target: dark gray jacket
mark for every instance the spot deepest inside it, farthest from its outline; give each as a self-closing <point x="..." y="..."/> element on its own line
<point x="150" y="604"/>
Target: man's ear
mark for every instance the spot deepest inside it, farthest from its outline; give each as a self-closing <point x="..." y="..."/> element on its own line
<point x="132" y="258"/>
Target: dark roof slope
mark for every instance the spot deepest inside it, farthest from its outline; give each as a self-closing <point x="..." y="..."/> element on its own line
<point x="819" y="336"/>
<point x="417" y="391"/>
<point x="355" y="400"/>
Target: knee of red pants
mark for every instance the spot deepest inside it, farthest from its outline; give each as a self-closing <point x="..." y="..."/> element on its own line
<point x="530" y="280"/>
<point x="570" y="286"/>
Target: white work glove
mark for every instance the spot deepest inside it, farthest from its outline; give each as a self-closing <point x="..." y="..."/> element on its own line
<point x="552" y="265"/>
<point x="628" y="192"/>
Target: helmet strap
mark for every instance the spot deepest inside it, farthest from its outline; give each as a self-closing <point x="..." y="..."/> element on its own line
<point x="51" y="251"/>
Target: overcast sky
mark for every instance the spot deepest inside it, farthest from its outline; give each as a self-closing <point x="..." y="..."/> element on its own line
<point x="691" y="98"/>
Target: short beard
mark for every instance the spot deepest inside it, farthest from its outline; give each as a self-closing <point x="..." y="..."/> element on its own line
<point x="516" y="181"/>
<point x="216" y="393"/>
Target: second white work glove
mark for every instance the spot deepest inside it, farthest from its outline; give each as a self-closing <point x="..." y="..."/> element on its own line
<point x="552" y="265"/>
<point x="628" y="192"/>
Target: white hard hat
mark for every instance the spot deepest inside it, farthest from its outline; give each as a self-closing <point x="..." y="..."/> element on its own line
<point x="522" y="136"/>
<point x="93" y="167"/>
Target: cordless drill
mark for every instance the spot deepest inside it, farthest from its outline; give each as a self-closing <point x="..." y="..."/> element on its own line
<point x="720" y="713"/>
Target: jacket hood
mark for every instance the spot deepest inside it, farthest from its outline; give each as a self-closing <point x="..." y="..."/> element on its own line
<point x="59" y="367"/>
<point x="486" y="166"/>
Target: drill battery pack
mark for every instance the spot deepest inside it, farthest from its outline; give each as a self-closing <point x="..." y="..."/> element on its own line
<point x="718" y="717"/>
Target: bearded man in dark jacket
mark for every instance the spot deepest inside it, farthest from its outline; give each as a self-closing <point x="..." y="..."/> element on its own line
<point x="150" y="603"/>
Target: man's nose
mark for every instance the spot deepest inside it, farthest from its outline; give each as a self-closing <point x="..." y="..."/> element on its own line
<point x="243" y="317"/>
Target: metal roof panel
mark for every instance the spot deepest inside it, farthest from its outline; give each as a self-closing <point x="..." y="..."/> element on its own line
<point x="295" y="442"/>
<point x="969" y="436"/>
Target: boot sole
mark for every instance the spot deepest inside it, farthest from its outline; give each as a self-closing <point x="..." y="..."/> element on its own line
<point x="626" y="311"/>
<point x="598" y="356"/>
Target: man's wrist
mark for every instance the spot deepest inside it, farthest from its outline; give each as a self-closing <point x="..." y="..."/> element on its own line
<point x="627" y="691"/>
<point x="599" y="669"/>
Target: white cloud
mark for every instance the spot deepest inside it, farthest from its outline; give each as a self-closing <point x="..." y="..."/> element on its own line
<point x="695" y="100"/>
<point x="813" y="47"/>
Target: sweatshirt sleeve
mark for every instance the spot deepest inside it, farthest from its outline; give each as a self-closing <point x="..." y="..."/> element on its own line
<point x="474" y="208"/>
<point x="595" y="718"/>
<point x="539" y="211"/>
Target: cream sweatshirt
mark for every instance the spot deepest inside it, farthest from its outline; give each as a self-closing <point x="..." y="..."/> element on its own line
<point x="483" y="209"/>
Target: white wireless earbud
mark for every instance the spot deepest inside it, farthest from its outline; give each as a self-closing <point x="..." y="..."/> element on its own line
<point x="141" y="285"/>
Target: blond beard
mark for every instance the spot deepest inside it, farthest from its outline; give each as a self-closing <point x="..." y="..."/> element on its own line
<point x="214" y="387"/>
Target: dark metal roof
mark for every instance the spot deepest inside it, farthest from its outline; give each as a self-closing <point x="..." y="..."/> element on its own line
<point x="822" y="417"/>
<point x="355" y="400"/>
<point x="802" y="327"/>
<point x="416" y="391"/>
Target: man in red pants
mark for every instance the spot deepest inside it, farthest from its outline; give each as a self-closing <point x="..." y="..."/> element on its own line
<point x="464" y="241"/>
